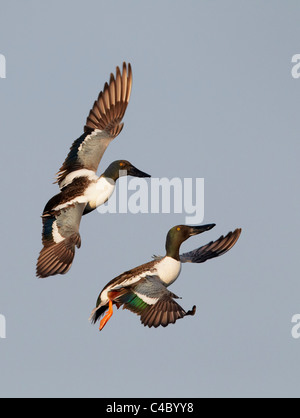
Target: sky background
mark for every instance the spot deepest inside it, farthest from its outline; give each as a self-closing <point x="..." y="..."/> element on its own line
<point x="213" y="97"/>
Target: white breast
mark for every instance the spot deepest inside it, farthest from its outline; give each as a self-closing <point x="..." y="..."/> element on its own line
<point x="99" y="192"/>
<point x="168" y="270"/>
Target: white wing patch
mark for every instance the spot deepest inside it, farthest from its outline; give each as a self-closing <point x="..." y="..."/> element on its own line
<point x="125" y="283"/>
<point x="55" y="234"/>
<point x="97" y="133"/>
<point x="146" y="299"/>
<point x="90" y="174"/>
<point x="135" y="279"/>
<point x="78" y="199"/>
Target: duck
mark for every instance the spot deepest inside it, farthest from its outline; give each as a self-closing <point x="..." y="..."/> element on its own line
<point x="81" y="189"/>
<point x="144" y="291"/>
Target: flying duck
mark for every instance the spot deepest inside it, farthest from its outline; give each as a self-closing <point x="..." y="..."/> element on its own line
<point x="143" y="290"/>
<point x="81" y="190"/>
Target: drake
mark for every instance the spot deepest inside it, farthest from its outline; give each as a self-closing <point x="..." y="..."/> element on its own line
<point x="143" y="290"/>
<point x="82" y="190"/>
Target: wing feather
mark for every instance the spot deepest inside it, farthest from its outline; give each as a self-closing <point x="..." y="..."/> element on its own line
<point x="212" y="249"/>
<point x="150" y="299"/>
<point x="60" y="236"/>
<point x="103" y="124"/>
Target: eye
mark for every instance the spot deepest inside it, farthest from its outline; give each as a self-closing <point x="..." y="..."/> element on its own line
<point x="122" y="164"/>
<point x="178" y="228"/>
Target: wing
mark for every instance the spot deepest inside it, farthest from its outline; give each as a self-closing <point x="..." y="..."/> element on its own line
<point x="60" y="236"/>
<point x="213" y="249"/>
<point x="103" y="124"/>
<point x="150" y="299"/>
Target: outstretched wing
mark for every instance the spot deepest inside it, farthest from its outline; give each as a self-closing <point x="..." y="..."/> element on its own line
<point x="213" y="249"/>
<point x="103" y="124"/>
<point x="60" y="236"/>
<point x="150" y="299"/>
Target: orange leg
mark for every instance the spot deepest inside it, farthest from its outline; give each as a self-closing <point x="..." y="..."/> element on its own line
<point x="107" y="315"/>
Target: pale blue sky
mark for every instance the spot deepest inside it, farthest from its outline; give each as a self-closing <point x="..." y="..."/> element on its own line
<point x="212" y="97"/>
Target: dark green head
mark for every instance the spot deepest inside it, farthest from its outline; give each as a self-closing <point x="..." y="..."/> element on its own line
<point x="123" y="168"/>
<point x="179" y="233"/>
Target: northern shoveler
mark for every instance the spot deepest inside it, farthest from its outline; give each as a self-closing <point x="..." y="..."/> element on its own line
<point x="81" y="189"/>
<point x="143" y="290"/>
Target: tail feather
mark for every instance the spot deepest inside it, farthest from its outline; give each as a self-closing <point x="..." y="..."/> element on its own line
<point x="96" y="313"/>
